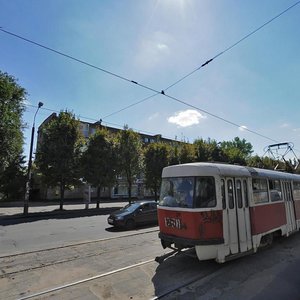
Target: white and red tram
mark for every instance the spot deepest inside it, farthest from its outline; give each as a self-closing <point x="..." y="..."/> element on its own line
<point x="225" y="211"/>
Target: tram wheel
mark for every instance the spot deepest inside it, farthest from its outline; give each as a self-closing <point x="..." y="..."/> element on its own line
<point x="266" y="240"/>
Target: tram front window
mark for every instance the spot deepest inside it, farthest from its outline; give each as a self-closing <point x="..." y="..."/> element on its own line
<point x="177" y="192"/>
<point x="198" y="192"/>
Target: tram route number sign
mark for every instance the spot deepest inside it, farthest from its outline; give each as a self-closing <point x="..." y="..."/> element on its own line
<point x="174" y="223"/>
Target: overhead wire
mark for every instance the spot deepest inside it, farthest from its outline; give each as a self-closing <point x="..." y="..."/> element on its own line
<point x="211" y="59"/>
<point x="76" y="59"/>
<point x="93" y="119"/>
<point x="134" y="81"/>
<point x="162" y="92"/>
<point x="233" y="45"/>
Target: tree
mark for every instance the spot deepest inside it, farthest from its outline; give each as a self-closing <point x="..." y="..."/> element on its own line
<point x="12" y="98"/>
<point x="236" y="151"/>
<point x="208" y="150"/>
<point x="129" y="156"/>
<point x="59" y="152"/>
<point x="98" y="162"/>
<point x="262" y="162"/>
<point x="156" y="157"/>
<point x="174" y="154"/>
<point x="13" y="179"/>
<point x="186" y="153"/>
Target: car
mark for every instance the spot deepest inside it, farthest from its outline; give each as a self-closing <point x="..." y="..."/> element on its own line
<point x="135" y="213"/>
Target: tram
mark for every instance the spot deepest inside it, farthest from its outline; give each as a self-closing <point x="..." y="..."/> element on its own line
<point x="226" y="211"/>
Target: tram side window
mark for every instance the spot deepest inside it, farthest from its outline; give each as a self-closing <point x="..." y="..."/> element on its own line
<point x="205" y="192"/>
<point x="230" y="194"/>
<point x="275" y="190"/>
<point x="260" y="190"/>
<point x="223" y="193"/>
<point x="239" y="194"/>
<point x="296" y="188"/>
<point x="246" y="193"/>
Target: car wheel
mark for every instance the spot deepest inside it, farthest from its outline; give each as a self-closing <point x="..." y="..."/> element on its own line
<point x="130" y="224"/>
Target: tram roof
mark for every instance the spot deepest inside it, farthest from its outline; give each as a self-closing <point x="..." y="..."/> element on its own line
<point x="210" y="169"/>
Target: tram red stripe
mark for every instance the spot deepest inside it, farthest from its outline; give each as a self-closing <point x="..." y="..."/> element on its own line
<point x="191" y="225"/>
<point x="267" y="217"/>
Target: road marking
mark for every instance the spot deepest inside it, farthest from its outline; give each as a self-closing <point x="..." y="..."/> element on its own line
<point x="85" y="280"/>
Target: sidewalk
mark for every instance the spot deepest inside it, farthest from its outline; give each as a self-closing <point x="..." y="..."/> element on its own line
<point x="15" y="209"/>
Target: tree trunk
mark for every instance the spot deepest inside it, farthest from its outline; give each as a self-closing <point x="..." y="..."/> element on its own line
<point x="129" y="192"/>
<point x="62" y="195"/>
<point x="155" y="191"/>
<point x="98" y="196"/>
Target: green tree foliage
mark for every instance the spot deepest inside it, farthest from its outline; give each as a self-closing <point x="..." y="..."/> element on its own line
<point x="98" y="162"/>
<point x="236" y="151"/>
<point x="208" y="150"/>
<point x="156" y="157"/>
<point x="187" y="153"/>
<point x="129" y="156"/>
<point x="13" y="179"/>
<point x="174" y="154"/>
<point x="262" y="162"/>
<point x="59" y="152"/>
<point x="12" y="98"/>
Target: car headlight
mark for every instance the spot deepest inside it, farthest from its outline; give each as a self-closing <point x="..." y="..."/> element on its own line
<point x="119" y="218"/>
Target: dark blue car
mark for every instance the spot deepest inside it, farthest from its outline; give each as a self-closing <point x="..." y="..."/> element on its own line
<point x="136" y="213"/>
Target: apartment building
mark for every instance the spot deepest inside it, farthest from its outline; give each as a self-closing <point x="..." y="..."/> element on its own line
<point x="120" y="189"/>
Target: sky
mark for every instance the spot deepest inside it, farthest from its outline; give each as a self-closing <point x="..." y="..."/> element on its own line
<point x="251" y="90"/>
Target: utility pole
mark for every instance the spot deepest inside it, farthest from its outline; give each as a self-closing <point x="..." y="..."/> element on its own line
<point x="28" y="177"/>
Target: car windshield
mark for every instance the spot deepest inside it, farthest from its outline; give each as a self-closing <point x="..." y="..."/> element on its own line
<point x="188" y="192"/>
<point x="131" y="207"/>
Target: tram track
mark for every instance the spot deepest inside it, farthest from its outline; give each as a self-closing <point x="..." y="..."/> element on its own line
<point x="78" y="282"/>
<point x="210" y="272"/>
<point x="77" y="244"/>
<point x="38" y="259"/>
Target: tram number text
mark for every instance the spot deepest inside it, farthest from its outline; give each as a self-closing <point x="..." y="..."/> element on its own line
<point x="174" y="223"/>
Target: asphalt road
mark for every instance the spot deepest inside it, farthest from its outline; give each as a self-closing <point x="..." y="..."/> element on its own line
<point x="272" y="273"/>
<point x="48" y="231"/>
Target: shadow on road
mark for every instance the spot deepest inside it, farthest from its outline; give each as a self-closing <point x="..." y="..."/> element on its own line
<point x="56" y="214"/>
<point x="121" y="229"/>
<point x="179" y="270"/>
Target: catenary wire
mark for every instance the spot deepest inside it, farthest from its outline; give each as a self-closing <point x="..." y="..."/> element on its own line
<point x="93" y="119"/>
<point x="210" y="60"/>
<point x="128" y="106"/>
<point x="135" y="82"/>
<point x="177" y="100"/>
<point x="163" y="91"/>
<point x="233" y="45"/>
<point x="76" y="59"/>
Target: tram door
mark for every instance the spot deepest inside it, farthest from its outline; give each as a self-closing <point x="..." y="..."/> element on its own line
<point x="237" y="214"/>
<point x="289" y="206"/>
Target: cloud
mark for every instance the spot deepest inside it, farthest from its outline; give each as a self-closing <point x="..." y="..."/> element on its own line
<point x="186" y="118"/>
<point x="243" y="128"/>
<point x="284" y="125"/>
<point x="154" y="116"/>
<point x="153" y="50"/>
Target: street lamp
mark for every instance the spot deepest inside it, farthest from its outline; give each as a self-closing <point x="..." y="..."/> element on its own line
<point x="28" y="179"/>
